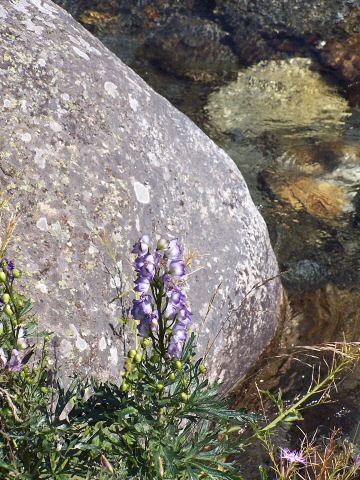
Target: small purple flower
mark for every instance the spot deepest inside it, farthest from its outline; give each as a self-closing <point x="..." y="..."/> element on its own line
<point x="169" y="311"/>
<point x="357" y="460"/>
<point x="179" y="333"/>
<point x="175" y="349"/>
<point x="184" y="316"/>
<point x="21" y="341"/>
<point x="173" y="250"/>
<point x="292" y="456"/>
<point x="176" y="296"/>
<point x="142" y="284"/>
<point x="142" y="307"/>
<point x="141" y="247"/>
<point x="10" y="265"/>
<point x="148" y="324"/>
<point x="176" y="268"/>
<point x="3" y="359"/>
<point x="15" y="364"/>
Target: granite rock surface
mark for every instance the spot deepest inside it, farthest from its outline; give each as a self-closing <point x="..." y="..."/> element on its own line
<point x="88" y="148"/>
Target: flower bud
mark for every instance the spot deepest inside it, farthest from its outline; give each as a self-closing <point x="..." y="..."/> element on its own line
<point x="124" y="386"/>
<point x="5" y="298"/>
<point x="8" y="310"/>
<point x="138" y="358"/>
<point x="146" y="342"/>
<point x="159" y="387"/>
<point x="132" y="353"/>
<point x="2" y="277"/>
<point x="202" y="369"/>
<point x="44" y="390"/>
<point x="184" y="397"/>
<point x="16" y="273"/>
<point x="172" y="376"/>
<point x="162" y="244"/>
<point x="178" y="365"/>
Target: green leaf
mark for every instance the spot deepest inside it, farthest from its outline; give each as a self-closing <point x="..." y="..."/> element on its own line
<point x="263" y="473"/>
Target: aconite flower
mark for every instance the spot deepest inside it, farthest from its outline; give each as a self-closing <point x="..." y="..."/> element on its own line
<point x="161" y="273"/>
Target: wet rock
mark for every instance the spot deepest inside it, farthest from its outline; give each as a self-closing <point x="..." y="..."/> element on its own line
<point x="88" y="148"/>
<point x="174" y="36"/>
<point x="291" y="19"/>
<point x="287" y="97"/>
<point x="310" y="180"/>
<point x="342" y="59"/>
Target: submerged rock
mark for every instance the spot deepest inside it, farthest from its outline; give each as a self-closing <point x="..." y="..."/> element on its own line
<point x="87" y="148"/>
<point x="284" y="97"/>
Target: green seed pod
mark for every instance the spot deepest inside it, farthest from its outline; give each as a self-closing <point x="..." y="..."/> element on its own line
<point x="8" y="310"/>
<point x="184" y="397"/>
<point x="146" y="342"/>
<point x="159" y="387"/>
<point x="183" y="381"/>
<point x="132" y="353"/>
<point x="16" y="273"/>
<point x="202" y="369"/>
<point x="2" y="277"/>
<point x="5" y="298"/>
<point x="44" y="390"/>
<point x="172" y="376"/>
<point x="47" y="338"/>
<point x="124" y="386"/>
<point x="178" y="365"/>
<point x="138" y="358"/>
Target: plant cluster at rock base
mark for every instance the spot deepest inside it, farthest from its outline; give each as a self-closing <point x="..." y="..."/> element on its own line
<point x="163" y="420"/>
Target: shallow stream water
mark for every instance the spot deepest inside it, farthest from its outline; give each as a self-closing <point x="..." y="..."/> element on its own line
<point x="301" y="162"/>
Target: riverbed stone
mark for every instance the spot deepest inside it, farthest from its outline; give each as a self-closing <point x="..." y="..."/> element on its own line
<point x="288" y="98"/>
<point x="90" y="152"/>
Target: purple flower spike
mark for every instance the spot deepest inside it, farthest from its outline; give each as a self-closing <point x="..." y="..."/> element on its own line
<point x="141" y="247"/>
<point x="15" y="364"/>
<point x="292" y="456"/>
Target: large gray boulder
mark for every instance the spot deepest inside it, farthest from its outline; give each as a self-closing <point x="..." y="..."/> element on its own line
<point x="86" y="148"/>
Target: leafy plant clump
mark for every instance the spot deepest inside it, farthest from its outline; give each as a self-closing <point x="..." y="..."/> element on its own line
<point x="164" y="420"/>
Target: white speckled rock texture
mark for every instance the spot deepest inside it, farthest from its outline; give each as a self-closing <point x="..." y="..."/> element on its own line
<point x="88" y="147"/>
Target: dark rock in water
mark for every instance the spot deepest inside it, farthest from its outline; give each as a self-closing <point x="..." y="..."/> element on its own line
<point x="285" y="22"/>
<point x="342" y="59"/>
<point x="306" y="275"/>
<point x="174" y="36"/>
<point x="87" y="148"/>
